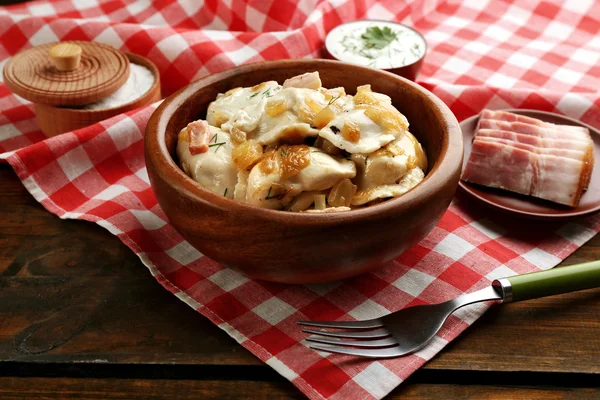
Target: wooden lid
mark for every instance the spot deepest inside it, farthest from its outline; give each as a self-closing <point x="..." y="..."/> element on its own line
<point x="67" y="74"/>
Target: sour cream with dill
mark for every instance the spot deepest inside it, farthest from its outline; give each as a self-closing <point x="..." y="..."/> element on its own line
<point x="376" y="44"/>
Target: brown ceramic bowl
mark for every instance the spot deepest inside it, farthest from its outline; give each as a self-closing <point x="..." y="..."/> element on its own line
<point x="303" y="247"/>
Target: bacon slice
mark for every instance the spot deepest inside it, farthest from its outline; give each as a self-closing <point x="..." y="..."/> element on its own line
<point x="511" y="117"/>
<point x="549" y="177"/>
<point x="548" y="132"/>
<point x="199" y="137"/>
<point x="577" y="155"/>
<point x="533" y="140"/>
<point x="531" y="157"/>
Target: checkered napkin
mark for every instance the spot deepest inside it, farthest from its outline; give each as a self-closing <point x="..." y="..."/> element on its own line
<point x="494" y="54"/>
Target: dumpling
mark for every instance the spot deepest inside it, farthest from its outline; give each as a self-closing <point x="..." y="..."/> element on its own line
<point x="213" y="169"/>
<point x="366" y="124"/>
<point x="241" y="108"/>
<point x="285" y="173"/>
<point x="354" y="132"/>
<point x="288" y="116"/>
<point x="380" y="172"/>
<point x="408" y="181"/>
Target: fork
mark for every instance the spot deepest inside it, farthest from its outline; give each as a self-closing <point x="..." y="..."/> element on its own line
<point x="410" y="329"/>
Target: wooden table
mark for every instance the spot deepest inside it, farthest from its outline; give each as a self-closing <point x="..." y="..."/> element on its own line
<point x="80" y="316"/>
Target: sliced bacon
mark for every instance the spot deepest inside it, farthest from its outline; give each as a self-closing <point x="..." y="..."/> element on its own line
<point x="199" y="136"/>
<point x="552" y="151"/>
<point x="511" y="117"/>
<point x="533" y="140"/>
<point x="531" y="157"/>
<point x="549" y="177"/>
<point x="555" y="132"/>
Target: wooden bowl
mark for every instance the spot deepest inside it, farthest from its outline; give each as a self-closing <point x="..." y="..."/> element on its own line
<point x="56" y="120"/>
<point x="303" y="247"/>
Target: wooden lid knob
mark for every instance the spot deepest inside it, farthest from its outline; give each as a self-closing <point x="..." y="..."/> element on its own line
<point x="65" y="56"/>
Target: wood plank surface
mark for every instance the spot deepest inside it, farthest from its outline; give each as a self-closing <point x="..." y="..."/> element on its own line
<point x="70" y="291"/>
<point x="79" y="311"/>
<point x="58" y="388"/>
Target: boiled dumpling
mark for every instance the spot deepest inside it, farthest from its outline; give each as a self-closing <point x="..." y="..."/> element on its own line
<point x="354" y="132"/>
<point x="288" y="116"/>
<point x="290" y="170"/>
<point x="213" y="169"/>
<point x="367" y="123"/>
<point x="241" y="108"/>
<point x="411" y="179"/>
<point x="386" y="167"/>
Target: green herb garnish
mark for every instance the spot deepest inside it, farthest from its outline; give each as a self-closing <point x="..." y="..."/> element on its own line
<point x="416" y="50"/>
<point x="333" y="100"/>
<point x="275" y="196"/>
<point x="366" y="54"/>
<point x="217" y="145"/>
<point x="377" y="38"/>
<point x="225" y="193"/>
<point x="348" y="47"/>
<point x="266" y="93"/>
<point x="283" y="152"/>
<point x="214" y="138"/>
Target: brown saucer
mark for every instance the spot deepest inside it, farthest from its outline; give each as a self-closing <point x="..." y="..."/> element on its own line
<point x="526" y="206"/>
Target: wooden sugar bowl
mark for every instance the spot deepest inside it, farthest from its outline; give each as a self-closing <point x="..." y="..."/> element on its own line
<point x="76" y="84"/>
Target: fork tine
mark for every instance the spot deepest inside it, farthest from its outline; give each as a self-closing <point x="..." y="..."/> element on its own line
<point x="371" y="323"/>
<point x="388" y="341"/>
<point x="387" y="352"/>
<point x="374" y="334"/>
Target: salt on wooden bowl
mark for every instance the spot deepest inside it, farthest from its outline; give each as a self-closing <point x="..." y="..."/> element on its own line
<point x="56" y="120"/>
<point x="74" y="84"/>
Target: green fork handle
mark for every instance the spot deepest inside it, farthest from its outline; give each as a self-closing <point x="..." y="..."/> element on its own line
<point x="548" y="283"/>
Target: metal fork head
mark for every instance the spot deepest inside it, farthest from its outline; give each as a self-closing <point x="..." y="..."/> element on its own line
<point x="394" y="335"/>
<point x="404" y="332"/>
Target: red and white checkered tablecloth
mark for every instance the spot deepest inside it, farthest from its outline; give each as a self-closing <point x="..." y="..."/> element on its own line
<point x="482" y="53"/>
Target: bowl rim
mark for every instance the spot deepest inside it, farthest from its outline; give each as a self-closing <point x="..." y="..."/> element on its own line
<point x="448" y="164"/>
<point x="405" y="66"/>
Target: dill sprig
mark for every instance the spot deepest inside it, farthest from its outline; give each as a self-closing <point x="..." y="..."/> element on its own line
<point x="275" y="196"/>
<point x="217" y="145"/>
<point x="333" y="100"/>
